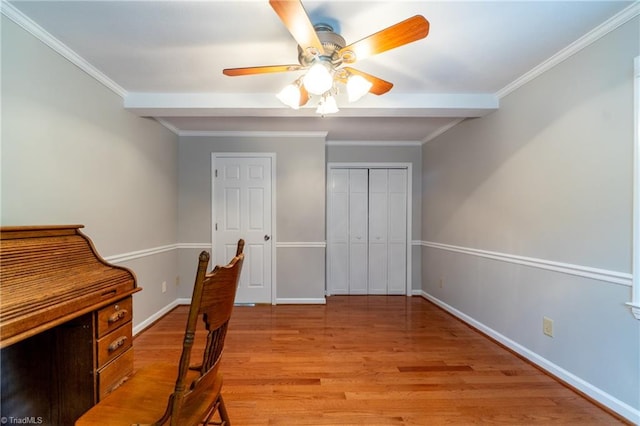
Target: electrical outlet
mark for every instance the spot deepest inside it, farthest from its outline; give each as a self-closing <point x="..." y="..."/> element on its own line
<point x="441" y="282"/>
<point x="164" y="286"/>
<point x="177" y="279"/>
<point x="547" y="326"/>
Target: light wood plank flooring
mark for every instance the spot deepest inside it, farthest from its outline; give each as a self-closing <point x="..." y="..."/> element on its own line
<point x="372" y="360"/>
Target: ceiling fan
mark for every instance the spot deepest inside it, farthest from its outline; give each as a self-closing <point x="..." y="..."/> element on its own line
<point x="325" y="56"/>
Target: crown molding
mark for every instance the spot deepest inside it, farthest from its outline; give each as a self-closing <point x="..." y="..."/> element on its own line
<point x="41" y="34"/>
<point x="600" y="31"/>
<point x="374" y="143"/>
<point x="253" y="134"/>
<point x="442" y="130"/>
<point x="168" y="125"/>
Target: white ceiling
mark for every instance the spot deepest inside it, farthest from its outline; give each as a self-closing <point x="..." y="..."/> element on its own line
<point x="166" y="58"/>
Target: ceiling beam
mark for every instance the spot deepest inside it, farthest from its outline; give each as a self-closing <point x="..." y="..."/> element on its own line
<point x="266" y="105"/>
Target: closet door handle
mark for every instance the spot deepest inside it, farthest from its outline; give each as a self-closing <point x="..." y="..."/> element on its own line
<point x="267" y="237"/>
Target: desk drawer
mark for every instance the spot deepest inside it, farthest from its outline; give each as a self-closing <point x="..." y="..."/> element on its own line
<point x="113" y="344"/>
<point x="113" y="316"/>
<point x="115" y="373"/>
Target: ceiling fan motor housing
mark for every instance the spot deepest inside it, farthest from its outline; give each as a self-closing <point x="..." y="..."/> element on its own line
<point x="331" y="42"/>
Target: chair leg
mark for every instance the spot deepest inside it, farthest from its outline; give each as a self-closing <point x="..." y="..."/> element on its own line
<point x="219" y="408"/>
<point x="224" y="416"/>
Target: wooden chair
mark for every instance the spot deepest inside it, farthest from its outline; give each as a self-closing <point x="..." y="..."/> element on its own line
<point x="194" y="396"/>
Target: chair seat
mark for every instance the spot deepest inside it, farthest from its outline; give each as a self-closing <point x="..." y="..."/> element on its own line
<point x="142" y="399"/>
<point x="181" y="396"/>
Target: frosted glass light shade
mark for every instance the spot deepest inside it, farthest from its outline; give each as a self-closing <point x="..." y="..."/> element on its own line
<point x="318" y="79"/>
<point x="357" y="87"/>
<point x="327" y="105"/>
<point x="290" y="96"/>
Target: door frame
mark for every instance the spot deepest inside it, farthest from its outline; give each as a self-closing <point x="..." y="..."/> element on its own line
<point x="272" y="157"/>
<point x="372" y="165"/>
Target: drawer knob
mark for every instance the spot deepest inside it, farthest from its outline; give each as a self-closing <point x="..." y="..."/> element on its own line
<point x="118" y="343"/>
<point x="117" y="316"/>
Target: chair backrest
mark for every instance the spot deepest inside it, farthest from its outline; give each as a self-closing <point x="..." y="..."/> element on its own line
<point x="212" y="300"/>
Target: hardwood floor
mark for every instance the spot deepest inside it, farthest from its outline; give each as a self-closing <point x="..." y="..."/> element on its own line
<point x="372" y="360"/>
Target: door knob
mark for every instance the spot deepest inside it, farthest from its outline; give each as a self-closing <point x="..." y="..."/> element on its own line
<point x="267" y="237"/>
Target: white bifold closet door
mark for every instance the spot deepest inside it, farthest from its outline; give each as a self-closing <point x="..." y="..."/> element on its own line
<point x="367" y="230"/>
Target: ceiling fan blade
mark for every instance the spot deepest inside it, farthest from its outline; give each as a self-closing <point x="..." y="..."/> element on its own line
<point x="233" y="72"/>
<point x="407" y="31"/>
<point x="297" y="21"/>
<point x="380" y="86"/>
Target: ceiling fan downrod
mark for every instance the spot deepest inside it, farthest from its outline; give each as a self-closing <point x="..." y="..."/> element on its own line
<point x="331" y="41"/>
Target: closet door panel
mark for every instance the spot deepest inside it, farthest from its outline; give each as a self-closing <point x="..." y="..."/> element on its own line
<point x="338" y="279"/>
<point x="367" y="231"/>
<point x="358" y="230"/>
<point x="378" y="206"/>
<point x="397" y="264"/>
<point x="378" y="218"/>
<point x="358" y="267"/>
<point x="397" y="218"/>
<point x="338" y="232"/>
<point x="377" y="268"/>
<point x="397" y="237"/>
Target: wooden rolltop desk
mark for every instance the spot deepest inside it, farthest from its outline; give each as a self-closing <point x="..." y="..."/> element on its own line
<point x="65" y="324"/>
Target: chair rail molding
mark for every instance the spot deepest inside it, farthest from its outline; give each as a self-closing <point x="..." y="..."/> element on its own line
<point x="613" y="277"/>
<point x="301" y="244"/>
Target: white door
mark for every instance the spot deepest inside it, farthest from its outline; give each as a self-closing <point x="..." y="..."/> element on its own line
<point x="348" y="231"/>
<point x="397" y="231"/>
<point x="242" y="209"/>
<point x="378" y="219"/>
<point x="358" y="230"/>
<point x="367" y="231"/>
<point x="338" y="232"/>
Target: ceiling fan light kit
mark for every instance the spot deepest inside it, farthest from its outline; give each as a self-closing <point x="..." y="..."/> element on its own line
<point x="327" y="105"/>
<point x="290" y="96"/>
<point x="319" y="78"/>
<point x="357" y="87"/>
<point x="322" y="53"/>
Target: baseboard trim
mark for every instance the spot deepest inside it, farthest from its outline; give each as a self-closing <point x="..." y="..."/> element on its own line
<point x="302" y="301"/>
<point x="139" y="328"/>
<point x="570" y="379"/>
<point x="155" y="317"/>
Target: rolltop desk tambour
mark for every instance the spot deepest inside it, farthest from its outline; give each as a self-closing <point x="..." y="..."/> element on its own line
<point x="65" y="324"/>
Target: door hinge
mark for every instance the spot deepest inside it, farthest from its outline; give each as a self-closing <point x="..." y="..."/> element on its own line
<point x="215" y="173"/>
<point x="216" y="226"/>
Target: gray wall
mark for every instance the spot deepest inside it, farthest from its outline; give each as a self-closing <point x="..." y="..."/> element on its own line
<point x="342" y="153"/>
<point x="548" y="177"/>
<point x="300" y="207"/>
<point x="71" y="154"/>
